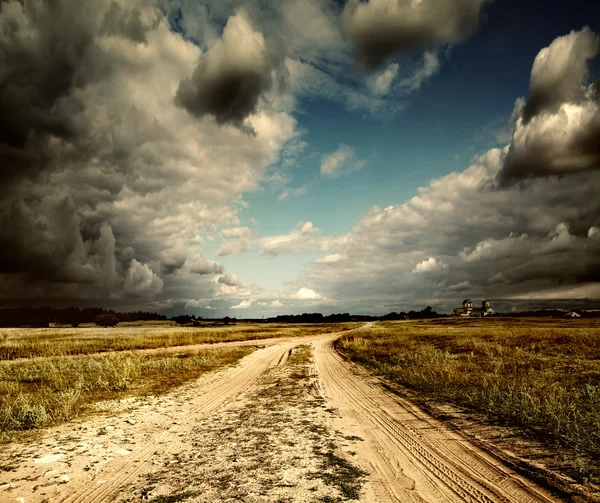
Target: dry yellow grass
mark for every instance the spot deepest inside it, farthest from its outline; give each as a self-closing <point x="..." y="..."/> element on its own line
<point x="32" y="342"/>
<point x="42" y="383"/>
<point x="43" y="392"/>
<point x="542" y="376"/>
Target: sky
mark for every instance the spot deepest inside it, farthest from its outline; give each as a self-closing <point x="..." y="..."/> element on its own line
<point x="264" y="157"/>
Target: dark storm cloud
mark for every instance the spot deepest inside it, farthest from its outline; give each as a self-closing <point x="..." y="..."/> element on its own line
<point x="47" y="52"/>
<point x="383" y="28"/>
<point x="42" y="46"/>
<point x="559" y="129"/>
<point x="233" y="74"/>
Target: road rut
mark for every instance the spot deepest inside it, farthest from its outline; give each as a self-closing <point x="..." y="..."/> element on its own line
<point x="411" y="456"/>
<point x="408" y="455"/>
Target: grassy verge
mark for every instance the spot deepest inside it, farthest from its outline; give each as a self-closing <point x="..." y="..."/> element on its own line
<point x="40" y="393"/>
<point x="46" y="342"/>
<point x="545" y="380"/>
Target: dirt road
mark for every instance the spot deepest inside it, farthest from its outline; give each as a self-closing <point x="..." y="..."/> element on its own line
<point x="313" y="425"/>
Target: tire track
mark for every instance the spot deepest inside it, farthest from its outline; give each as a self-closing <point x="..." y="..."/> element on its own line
<point x="411" y="456"/>
<point x="229" y="386"/>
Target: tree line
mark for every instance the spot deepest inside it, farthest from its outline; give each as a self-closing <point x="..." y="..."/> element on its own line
<point x="43" y="316"/>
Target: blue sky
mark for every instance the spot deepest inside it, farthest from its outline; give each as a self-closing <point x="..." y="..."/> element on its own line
<point x="255" y="158"/>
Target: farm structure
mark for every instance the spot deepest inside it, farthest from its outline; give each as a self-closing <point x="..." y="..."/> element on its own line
<point x="475" y="312"/>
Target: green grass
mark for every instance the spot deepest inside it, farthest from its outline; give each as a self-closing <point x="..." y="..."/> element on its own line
<point x="543" y="378"/>
<point x="44" y="392"/>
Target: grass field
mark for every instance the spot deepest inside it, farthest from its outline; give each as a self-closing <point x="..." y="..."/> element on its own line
<point x="49" y="391"/>
<point x="42" y="383"/>
<point x="542" y="376"/>
<point x="33" y="342"/>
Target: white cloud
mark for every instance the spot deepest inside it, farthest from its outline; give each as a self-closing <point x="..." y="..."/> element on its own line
<point x="330" y="259"/>
<point x="494" y="242"/>
<point x="430" y="67"/>
<point x="380" y="83"/>
<point x="276" y="303"/>
<point x="342" y="161"/>
<point x="199" y="265"/>
<point x="299" y="191"/>
<point x="236" y="240"/>
<point x="308" y="294"/>
<point x="245" y="304"/>
<point x="429" y="265"/>
<point x="303" y="239"/>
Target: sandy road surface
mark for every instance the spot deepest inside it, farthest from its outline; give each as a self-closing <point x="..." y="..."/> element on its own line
<point x="408" y="455"/>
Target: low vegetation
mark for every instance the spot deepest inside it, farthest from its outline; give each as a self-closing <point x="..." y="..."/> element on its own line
<point x="43" y="392"/>
<point x="540" y="376"/>
<point x="44" y="342"/>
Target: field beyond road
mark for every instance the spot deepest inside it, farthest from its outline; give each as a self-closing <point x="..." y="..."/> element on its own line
<point x="541" y="376"/>
<point x="42" y="342"/>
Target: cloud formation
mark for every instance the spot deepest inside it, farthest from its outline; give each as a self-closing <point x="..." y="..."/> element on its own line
<point x="303" y="239"/>
<point x="461" y="236"/>
<point x="558" y="131"/>
<point x="342" y="161"/>
<point x="380" y="29"/>
<point x="105" y="180"/>
<point x="234" y="74"/>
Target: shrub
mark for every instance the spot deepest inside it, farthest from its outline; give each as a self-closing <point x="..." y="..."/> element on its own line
<point x="106" y="320"/>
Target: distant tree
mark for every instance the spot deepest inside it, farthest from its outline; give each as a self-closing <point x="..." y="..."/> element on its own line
<point x="106" y="320"/>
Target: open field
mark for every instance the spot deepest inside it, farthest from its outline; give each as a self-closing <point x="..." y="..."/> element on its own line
<point x="542" y="376"/>
<point x="293" y="421"/>
<point x="42" y="342"/>
<point x="43" y="392"/>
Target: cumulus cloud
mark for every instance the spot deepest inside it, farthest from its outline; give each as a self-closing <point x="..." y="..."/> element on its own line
<point x="200" y="265"/>
<point x="342" y="161"/>
<point x="244" y="304"/>
<point x="101" y="167"/>
<point x="236" y="240"/>
<point x="558" y="131"/>
<point x="276" y="303"/>
<point x="519" y="240"/>
<point x="140" y="280"/>
<point x="173" y="259"/>
<point x="431" y="264"/>
<point x="307" y="294"/>
<point x="233" y="75"/>
<point x="382" y="28"/>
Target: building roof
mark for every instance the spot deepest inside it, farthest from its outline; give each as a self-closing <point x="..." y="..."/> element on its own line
<point x="467" y="300"/>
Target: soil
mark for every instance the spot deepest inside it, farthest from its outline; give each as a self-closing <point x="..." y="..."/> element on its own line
<point x="293" y="422"/>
